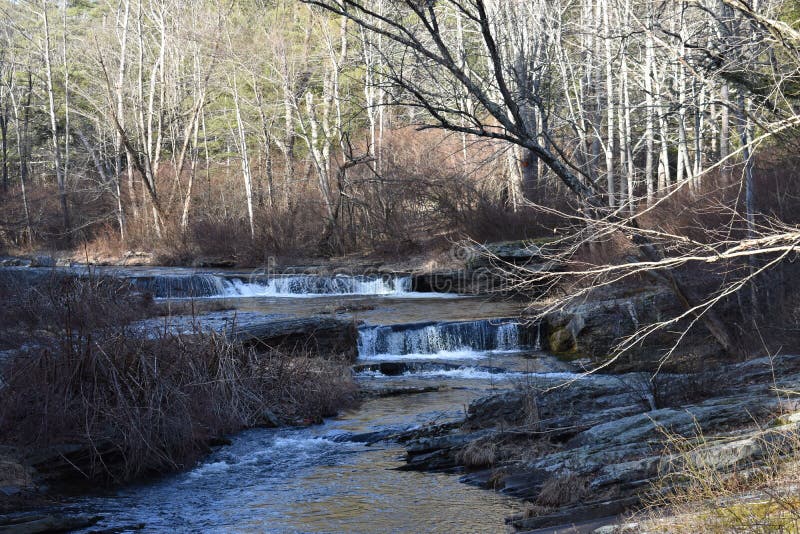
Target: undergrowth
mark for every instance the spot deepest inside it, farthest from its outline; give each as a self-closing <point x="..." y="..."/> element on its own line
<point x="695" y="494"/>
<point x="140" y="402"/>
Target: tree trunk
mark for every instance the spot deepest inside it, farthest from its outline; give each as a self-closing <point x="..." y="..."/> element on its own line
<point x="609" y="148"/>
<point x="4" y="143"/>
<point x="248" y="177"/>
<point x="649" y="105"/>
<point x="60" y="179"/>
<point x="118" y="148"/>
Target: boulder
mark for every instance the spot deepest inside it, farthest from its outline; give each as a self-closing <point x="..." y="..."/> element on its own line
<point x="519" y="253"/>
<point x="592" y="330"/>
<point x="317" y="335"/>
<point x="485" y="268"/>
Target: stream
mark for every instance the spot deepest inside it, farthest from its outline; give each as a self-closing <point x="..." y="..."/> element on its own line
<point x="333" y="477"/>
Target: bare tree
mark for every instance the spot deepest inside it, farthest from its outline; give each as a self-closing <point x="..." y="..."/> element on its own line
<point x="56" y="144"/>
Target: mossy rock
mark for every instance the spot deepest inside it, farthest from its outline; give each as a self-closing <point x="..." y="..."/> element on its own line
<point x="562" y="343"/>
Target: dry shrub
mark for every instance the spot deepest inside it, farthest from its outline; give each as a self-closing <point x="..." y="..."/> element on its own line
<point x="695" y="495"/>
<point x="43" y="305"/>
<point x="562" y="490"/>
<point x="478" y="453"/>
<point x="105" y="244"/>
<point x="139" y="402"/>
<point x="425" y="193"/>
<point x="530" y="509"/>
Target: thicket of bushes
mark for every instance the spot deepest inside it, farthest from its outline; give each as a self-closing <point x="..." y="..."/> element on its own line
<point x="423" y="196"/>
<point x="139" y="402"/>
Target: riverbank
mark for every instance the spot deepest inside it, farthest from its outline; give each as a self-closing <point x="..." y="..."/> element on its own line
<point x="94" y="393"/>
<point x="581" y="448"/>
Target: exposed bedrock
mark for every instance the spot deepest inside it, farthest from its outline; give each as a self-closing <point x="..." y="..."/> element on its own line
<point x="317" y="335"/>
<point x="606" y="438"/>
<point x="593" y="329"/>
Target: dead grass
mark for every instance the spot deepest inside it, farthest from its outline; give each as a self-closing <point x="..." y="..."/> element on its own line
<point x="695" y="495"/>
<point x="140" y="404"/>
<point x="561" y="490"/>
<point x="479" y="453"/>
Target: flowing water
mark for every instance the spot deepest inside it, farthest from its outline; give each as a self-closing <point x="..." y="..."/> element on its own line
<point x="210" y="285"/>
<point x="330" y="478"/>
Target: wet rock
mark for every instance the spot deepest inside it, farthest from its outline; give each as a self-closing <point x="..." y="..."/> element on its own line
<point x="120" y="530"/>
<point x="576" y="514"/>
<point x="43" y="261"/>
<point x="71" y="463"/>
<point x="486" y="268"/>
<point x="137" y="257"/>
<point x="368" y="438"/>
<point x="612" y="433"/>
<point x="397" y="391"/>
<point x="593" y="328"/>
<point x="216" y="263"/>
<point x="15" y="477"/>
<point x="315" y="335"/>
<point x="481" y="279"/>
<point x="268" y="419"/>
<point x="34" y="523"/>
<point x="318" y="335"/>
<point x="452" y="281"/>
<point x="14" y="262"/>
<point x="402" y="367"/>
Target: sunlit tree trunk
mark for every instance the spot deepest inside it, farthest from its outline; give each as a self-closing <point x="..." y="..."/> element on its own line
<point x="51" y="108"/>
<point x="119" y="150"/>
<point x="610" y="105"/>
<point x="242" y="142"/>
<point x="649" y="132"/>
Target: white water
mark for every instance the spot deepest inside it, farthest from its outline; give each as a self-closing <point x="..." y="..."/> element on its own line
<point x="208" y="285"/>
<point x="449" y="341"/>
<point x="463" y="373"/>
<point x="314" y="286"/>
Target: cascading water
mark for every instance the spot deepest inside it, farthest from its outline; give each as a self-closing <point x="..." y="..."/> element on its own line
<point x="426" y="339"/>
<point x="180" y="285"/>
<point x="306" y="285"/>
<point x="214" y="285"/>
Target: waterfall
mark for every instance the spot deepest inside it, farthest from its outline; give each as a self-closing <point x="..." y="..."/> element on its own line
<point x="451" y="338"/>
<point x="304" y="285"/>
<point x="214" y="285"/>
<point x="180" y="285"/>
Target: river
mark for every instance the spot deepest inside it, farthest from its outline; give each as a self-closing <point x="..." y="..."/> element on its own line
<point x="331" y="477"/>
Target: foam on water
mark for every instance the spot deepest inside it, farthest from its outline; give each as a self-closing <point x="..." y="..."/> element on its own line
<point x="464" y="373"/>
<point x="288" y="452"/>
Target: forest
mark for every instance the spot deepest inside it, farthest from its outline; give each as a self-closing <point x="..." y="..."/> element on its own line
<point x="251" y="129"/>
